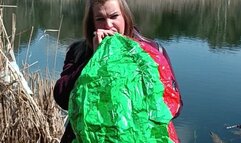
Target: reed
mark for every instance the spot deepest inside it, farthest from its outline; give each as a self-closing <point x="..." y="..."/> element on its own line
<point x="25" y="116"/>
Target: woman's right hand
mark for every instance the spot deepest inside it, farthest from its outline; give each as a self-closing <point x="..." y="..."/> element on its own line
<point x="100" y="34"/>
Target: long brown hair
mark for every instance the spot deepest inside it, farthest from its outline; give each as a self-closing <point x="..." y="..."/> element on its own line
<point x="89" y="27"/>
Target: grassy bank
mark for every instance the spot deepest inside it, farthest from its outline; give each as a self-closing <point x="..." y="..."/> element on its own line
<point x="26" y="116"/>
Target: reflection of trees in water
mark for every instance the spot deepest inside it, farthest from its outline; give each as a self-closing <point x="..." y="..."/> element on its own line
<point x="46" y="14"/>
<point x="212" y="20"/>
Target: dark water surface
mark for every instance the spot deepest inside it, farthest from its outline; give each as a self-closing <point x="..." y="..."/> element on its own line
<point x="202" y="38"/>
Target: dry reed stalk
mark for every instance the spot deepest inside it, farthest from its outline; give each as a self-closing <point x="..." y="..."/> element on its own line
<point x="8" y="6"/>
<point x="43" y="95"/>
<point x="25" y="118"/>
<point x="60" y="26"/>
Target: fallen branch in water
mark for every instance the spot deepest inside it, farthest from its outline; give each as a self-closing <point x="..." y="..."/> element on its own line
<point x="215" y="138"/>
<point x="234" y="126"/>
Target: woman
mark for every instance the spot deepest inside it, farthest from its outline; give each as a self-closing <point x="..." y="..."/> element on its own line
<point x="102" y="18"/>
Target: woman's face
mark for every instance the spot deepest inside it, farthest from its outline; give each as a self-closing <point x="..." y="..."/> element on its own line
<point x="108" y="16"/>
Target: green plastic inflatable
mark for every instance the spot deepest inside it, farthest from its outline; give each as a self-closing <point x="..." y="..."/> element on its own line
<point x="118" y="96"/>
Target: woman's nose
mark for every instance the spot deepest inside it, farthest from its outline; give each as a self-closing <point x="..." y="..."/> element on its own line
<point x="108" y="24"/>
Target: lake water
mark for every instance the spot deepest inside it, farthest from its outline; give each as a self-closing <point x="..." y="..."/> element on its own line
<point x="202" y="38"/>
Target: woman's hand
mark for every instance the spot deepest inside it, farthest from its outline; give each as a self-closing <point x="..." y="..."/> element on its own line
<point x="100" y="34"/>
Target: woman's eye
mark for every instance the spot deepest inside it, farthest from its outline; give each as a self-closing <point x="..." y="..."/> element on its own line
<point x="99" y="19"/>
<point x="114" y="16"/>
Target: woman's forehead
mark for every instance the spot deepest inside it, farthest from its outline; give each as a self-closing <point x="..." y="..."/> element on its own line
<point x="109" y="6"/>
<point x="94" y="2"/>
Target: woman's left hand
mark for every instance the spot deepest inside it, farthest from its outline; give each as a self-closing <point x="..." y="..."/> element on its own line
<point x="100" y="34"/>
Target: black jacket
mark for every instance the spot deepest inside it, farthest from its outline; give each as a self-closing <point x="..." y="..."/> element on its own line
<point x="76" y="58"/>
